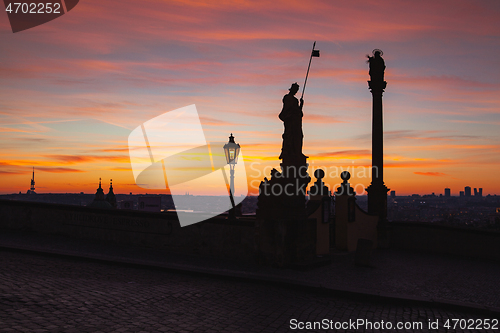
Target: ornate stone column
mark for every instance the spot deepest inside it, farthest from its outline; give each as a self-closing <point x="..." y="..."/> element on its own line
<point x="377" y="191"/>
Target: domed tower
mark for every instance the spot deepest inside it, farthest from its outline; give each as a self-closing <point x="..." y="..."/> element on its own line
<point x="99" y="201"/>
<point x="110" y="197"/>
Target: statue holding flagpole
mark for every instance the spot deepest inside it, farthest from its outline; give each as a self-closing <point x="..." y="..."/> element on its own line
<point x="291" y="115"/>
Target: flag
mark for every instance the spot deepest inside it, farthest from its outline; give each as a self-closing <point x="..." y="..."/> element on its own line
<point x="315" y="53"/>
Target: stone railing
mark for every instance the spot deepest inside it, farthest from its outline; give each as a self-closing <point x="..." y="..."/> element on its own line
<point x="445" y="239"/>
<point x="217" y="236"/>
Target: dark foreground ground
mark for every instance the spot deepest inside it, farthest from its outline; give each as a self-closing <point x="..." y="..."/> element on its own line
<point x="40" y="293"/>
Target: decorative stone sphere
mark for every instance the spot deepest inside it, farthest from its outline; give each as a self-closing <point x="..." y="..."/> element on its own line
<point x="319" y="174"/>
<point x="345" y="175"/>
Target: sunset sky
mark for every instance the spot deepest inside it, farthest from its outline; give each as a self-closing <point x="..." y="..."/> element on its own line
<point x="73" y="89"/>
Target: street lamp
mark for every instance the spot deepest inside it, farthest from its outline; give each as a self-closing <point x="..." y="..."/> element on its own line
<point x="232" y="150"/>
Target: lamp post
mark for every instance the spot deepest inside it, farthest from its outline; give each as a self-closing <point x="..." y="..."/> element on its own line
<point x="231" y="150"/>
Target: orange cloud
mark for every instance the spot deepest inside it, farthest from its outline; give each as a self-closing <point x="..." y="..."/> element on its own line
<point x="58" y="170"/>
<point x="74" y="159"/>
<point x="430" y="173"/>
<point x="345" y="154"/>
<point x="120" y="169"/>
<point x="12" y="172"/>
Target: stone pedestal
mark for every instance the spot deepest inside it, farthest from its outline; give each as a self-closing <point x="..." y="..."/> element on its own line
<point x="284" y="195"/>
<point x="320" y="208"/>
<point x="377" y="199"/>
<point x="283" y="242"/>
<point x="284" y="235"/>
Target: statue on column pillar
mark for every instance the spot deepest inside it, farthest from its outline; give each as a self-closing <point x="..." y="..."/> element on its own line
<point x="377" y="66"/>
<point x="377" y="69"/>
<point x="377" y="191"/>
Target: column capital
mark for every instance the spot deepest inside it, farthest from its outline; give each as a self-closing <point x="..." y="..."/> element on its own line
<point x="377" y="86"/>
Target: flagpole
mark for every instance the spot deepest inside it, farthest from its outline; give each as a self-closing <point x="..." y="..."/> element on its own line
<point x="308" y="67"/>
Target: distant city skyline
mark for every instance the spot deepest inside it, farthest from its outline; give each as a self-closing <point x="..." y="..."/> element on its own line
<point x="447" y="192"/>
<point x="73" y="89"/>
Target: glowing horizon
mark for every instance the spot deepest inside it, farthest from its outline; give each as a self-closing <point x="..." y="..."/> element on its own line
<point x="73" y="89"/>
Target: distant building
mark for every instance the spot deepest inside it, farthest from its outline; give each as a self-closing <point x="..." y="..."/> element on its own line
<point x="479" y="193"/>
<point x="447" y="192"/>
<point x="149" y="204"/>
<point x="495" y="218"/>
<point x="467" y="191"/>
<point x="126" y="204"/>
<point x="99" y="200"/>
<point x="110" y="197"/>
<point x="462" y="193"/>
<point x="32" y="187"/>
<point x="393" y="194"/>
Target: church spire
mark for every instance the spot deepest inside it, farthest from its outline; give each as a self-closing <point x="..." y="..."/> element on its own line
<point x="99" y="194"/>
<point x="32" y="189"/>
<point x="110" y="197"/>
<point x="99" y="200"/>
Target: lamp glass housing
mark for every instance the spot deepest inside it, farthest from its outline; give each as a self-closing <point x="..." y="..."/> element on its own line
<point x="232" y="150"/>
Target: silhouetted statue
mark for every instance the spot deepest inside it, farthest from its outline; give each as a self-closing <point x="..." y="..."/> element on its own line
<point x="377" y="66"/>
<point x="291" y="115"/>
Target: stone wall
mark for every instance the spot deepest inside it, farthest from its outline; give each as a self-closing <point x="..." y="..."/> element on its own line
<point x="282" y="242"/>
<point x="214" y="237"/>
<point x="352" y="224"/>
<point x="443" y="239"/>
<point x="217" y="236"/>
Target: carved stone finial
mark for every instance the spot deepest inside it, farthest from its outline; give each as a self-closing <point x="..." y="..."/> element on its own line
<point x="319" y="187"/>
<point x="345" y="175"/>
<point x="319" y="174"/>
<point x="345" y="188"/>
